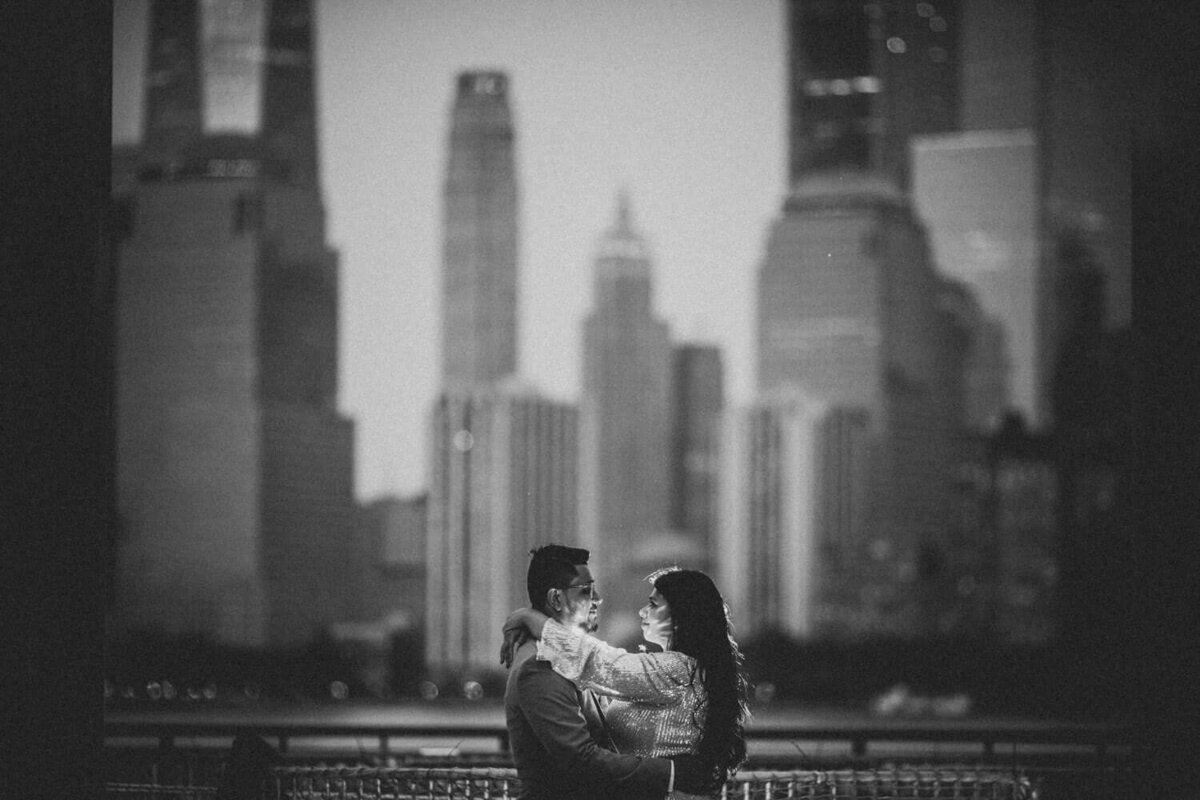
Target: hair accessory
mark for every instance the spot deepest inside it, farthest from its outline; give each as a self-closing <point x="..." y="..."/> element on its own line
<point x="658" y="573"/>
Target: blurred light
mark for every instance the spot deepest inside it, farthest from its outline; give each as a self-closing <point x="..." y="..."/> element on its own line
<point x="463" y="441"/>
<point x="129" y="693"/>
<point x="339" y="690"/>
<point x="764" y="692"/>
<point x="840" y="87"/>
<point x="472" y="690"/>
<point x="896" y="45"/>
<point x="867" y="84"/>
<point x="816" y="88"/>
<point x="925" y="10"/>
<point x="938" y="25"/>
<point x="210" y="691"/>
<point x="193" y="693"/>
<point x="428" y="690"/>
<point x="154" y="690"/>
<point x="168" y="690"/>
<point x="252" y="691"/>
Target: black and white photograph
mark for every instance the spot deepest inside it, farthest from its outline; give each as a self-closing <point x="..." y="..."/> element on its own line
<point x="558" y="400"/>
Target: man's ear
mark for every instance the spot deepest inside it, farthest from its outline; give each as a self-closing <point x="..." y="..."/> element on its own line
<point x="552" y="602"/>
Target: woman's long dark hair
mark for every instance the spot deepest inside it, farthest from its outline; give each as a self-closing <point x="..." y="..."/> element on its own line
<point x="703" y="631"/>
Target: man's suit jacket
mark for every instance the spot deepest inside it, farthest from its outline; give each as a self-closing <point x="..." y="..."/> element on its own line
<point x="555" y="749"/>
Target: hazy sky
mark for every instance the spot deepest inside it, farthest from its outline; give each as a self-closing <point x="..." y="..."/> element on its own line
<point x="679" y="101"/>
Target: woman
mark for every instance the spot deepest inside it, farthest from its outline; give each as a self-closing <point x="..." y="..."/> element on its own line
<point x="689" y="698"/>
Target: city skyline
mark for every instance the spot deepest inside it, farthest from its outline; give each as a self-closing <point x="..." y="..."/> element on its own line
<point x="706" y="184"/>
<point x="645" y="124"/>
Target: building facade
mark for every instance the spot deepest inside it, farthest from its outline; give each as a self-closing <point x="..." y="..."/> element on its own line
<point x="392" y="533"/>
<point x="768" y="537"/>
<point x="698" y="392"/>
<point x="502" y="482"/>
<point x="235" y="474"/>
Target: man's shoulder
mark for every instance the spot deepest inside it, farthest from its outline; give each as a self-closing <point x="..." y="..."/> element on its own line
<point x="530" y="674"/>
<point x="533" y="668"/>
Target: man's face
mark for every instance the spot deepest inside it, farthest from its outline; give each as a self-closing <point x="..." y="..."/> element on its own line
<point x="578" y="605"/>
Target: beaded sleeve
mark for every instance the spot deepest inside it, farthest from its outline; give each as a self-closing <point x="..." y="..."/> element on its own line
<point x="658" y="678"/>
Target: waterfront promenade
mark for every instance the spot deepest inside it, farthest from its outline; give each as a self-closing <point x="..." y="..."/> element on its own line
<point x="777" y="734"/>
<point x="325" y="748"/>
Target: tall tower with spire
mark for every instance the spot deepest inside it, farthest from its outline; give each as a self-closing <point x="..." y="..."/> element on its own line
<point x="625" y="411"/>
<point x="235" y="473"/>
<point x="479" y="268"/>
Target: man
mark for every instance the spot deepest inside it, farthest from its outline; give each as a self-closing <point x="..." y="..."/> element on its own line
<point x="555" y="732"/>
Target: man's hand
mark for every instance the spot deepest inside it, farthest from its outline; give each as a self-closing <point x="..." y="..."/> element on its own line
<point x="692" y="775"/>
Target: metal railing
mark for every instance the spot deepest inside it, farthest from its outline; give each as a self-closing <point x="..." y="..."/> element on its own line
<point x="409" y="783"/>
<point x="299" y="783"/>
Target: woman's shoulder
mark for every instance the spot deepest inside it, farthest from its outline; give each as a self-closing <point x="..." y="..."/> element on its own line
<point x="675" y="662"/>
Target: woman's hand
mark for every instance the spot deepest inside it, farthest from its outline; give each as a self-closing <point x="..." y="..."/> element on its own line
<point x="513" y="639"/>
<point x="521" y="625"/>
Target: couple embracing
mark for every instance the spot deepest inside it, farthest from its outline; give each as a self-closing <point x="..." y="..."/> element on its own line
<point x="588" y="721"/>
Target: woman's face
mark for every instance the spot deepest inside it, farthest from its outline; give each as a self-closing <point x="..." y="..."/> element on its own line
<point x="657" y="627"/>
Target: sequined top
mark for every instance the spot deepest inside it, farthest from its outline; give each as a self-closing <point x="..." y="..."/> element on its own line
<point x="653" y="702"/>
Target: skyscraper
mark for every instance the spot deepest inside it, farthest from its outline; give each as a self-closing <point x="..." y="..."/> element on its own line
<point x="850" y="304"/>
<point x="502" y="458"/>
<point x="625" y="416"/>
<point x="863" y="78"/>
<point x="235" y="472"/>
<point x="849" y="314"/>
<point x="479" y="268"/>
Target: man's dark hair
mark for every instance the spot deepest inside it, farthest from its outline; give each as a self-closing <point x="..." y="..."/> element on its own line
<point x="552" y="567"/>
